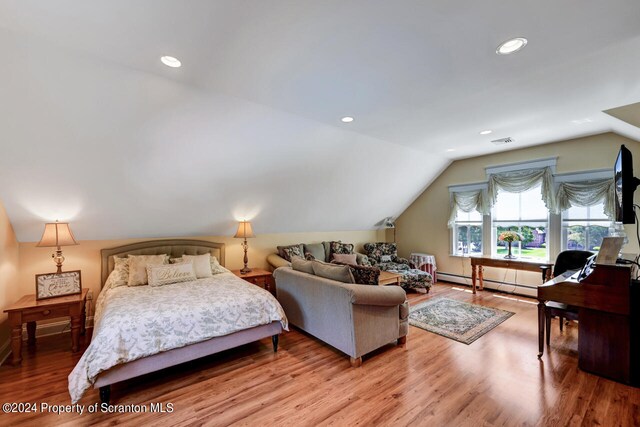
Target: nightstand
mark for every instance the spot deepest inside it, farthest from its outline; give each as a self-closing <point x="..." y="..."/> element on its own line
<point x="259" y="277"/>
<point x="29" y="310"/>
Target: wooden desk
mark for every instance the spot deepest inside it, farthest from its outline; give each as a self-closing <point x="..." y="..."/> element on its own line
<point x="28" y="310"/>
<point x="388" y="278"/>
<point x="478" y="263"/>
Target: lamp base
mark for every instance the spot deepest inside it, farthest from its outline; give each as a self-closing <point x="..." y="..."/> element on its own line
<point x="245" y="270"/>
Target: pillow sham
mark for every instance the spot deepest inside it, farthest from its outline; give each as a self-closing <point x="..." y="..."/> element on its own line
<point x="216" y="268"/>
<point x="138" y="267"/>
<point x="345" y="258"/>
<point x="201" y="264"/>
<point x="166" y="274"/>
<point x="120" y="274"/>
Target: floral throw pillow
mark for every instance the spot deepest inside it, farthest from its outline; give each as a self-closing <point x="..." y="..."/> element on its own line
<point x="341" y="248"/>
<point x="216" y="268"/>
<point x="120" y="274"/>
<point x="363" y="275"/>
<point x="309" y="256"/>
<point x="138" y="267"/>
<point x="292" y="251"/>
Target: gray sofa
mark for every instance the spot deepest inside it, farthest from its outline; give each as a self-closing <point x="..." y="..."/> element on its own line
<point x="355" y="319"/>
<point x="320" y="251"/>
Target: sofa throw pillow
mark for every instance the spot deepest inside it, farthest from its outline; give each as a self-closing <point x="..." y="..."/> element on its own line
<point x="309" y="256"/>
<point x="138" y="267"/>
<point x="339" y="273"/>
<point x="216" y="268"/>
<point x="345" y="259"/>
<point x="120" y="274"/>
<point x="167" y="274"/>
<point x="341" y="248"/>
<point x="316" y="250"/>
<point x="363" y="275"/>
<point x="201" y="264"/>
<point x="300" y="264"/>
<point x="281" y="249"/>
<point x="292" y="251"/>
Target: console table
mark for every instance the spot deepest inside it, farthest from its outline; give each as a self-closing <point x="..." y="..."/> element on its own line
<point x="478" y="263"/>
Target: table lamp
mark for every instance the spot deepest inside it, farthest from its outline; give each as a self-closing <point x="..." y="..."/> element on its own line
<point x="244" y="232"/>
<point x="57" y="234"/>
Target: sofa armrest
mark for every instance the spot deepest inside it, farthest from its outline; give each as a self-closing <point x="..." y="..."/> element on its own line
<point x="277" y="261"/>
<point x="377" y="295"/>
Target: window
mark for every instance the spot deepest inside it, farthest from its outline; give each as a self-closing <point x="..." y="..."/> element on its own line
<point x="467" y="234"/>
<point x="584" y="227"/>
<point x="526" y="214"/>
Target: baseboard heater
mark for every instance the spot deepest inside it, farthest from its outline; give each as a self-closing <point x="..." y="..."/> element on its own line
<point x="507" y="287"/>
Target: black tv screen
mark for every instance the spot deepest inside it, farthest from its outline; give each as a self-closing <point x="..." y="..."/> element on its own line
<point x="625" y="186"/>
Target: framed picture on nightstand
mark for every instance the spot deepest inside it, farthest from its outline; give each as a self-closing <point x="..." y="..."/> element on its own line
<point x="53" y="285"/>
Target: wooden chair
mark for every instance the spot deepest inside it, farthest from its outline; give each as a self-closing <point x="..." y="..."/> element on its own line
<point x="566" y="260"/>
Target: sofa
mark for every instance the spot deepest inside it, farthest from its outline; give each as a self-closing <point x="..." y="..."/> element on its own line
<point x="321" y="251"/>
<point x="385" y="256"/>
<point x="356" y="319"/>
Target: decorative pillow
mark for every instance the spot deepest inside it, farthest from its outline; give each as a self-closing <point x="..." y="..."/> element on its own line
<point x="291" y="251"/>
<point x="201" y="264"/>
<point x="309" y="256"/>
<point x="385" y="258"/>
<point x="341" y="248"/>
<point x="317" y="250"/>
<point x="299" y="264"/>
<point x="340" y="273"/>
<point x="281" y="249"/>
<point x="345" y="259"/>
<point x="216" y="268"/>
<point x="365" y="275"/>
<point x="120" y="274"/>
<point x="138" y="267"/>
<point x="363" y="260"/>
<point x="167" y="274"/>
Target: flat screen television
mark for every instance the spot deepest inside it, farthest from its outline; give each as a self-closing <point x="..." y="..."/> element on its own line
<point x="625" y="184"/>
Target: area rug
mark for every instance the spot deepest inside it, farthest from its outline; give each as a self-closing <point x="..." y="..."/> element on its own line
<point x="457" y="320"/>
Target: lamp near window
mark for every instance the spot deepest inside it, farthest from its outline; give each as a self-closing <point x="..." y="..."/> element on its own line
<point x="57" y="234"/>
<point x="244" y="232"/>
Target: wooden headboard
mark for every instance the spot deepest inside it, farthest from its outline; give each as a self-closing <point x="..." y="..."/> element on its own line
<point x="173" y="247"/>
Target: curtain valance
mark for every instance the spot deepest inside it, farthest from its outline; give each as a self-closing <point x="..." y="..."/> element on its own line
<point x="522" y="180"/>
<point x="586" y="193"/>
<point x="467" y="201"/>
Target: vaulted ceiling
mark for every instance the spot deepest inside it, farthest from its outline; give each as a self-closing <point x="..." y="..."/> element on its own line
<point x="96" y="130"/>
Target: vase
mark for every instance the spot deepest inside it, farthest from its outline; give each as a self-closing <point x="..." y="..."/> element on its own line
<point x="509" y="255"/>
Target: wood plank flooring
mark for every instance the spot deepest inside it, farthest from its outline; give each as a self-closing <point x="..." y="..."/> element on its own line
<point x="433" y="381"/>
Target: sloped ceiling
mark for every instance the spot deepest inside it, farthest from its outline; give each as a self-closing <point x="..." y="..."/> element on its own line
<point x="95" y="130"/>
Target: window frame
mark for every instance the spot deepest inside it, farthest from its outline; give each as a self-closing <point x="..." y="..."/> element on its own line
<point x="466" y="222"/>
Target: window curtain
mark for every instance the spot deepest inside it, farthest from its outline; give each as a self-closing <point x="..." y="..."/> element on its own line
<point x="522" y="180"/>
<point x="586" y="193"/>
<point x="467" y="201"/>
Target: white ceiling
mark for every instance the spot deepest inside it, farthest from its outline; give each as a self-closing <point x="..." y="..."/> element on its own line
<point x="97" y="131"/>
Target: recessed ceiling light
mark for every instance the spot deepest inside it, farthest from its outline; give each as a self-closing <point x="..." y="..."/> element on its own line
<point x="486" y="132"/>
<point x="450" y="150"/>
<point x="347" y="119"/>
<point x="582" y="121"/>
<point x="170" y="61"/>
<point x="511" y="46"/>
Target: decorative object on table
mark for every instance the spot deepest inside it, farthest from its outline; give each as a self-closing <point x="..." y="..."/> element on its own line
<point x="389" y="222"/>
<point x="57" y="234"/>
<point x="53" y="285"/>
<point x="244" y="232"/>
<point x="426" y="263"/>
<point x="457" y="320"/>
<point x="509" y="237"/>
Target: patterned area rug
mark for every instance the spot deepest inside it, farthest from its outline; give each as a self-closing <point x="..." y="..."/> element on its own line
<point x="457" y="320"/>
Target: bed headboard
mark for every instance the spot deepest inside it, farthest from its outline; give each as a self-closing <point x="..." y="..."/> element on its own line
<point x="173" y="247"/>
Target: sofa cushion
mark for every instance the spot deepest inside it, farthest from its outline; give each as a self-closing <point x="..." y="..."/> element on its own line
<point x="363" y="275"/>
<point x="339" y="273"/>
<point x="345" y="259"/>
<point x="288" y="252"/>
<point x="300" y="264"/>
<point x="316" y="250"/>
<point x="339" y="248"/>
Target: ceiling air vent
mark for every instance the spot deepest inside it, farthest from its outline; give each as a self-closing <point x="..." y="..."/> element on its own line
<point x="502" y="141"/>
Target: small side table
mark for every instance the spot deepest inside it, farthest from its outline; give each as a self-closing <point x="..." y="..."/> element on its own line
<point x="389" y="278"/>
<point x="425" y="262"/>
<point x="29" y="310"/>
<point x="259" y="277"/>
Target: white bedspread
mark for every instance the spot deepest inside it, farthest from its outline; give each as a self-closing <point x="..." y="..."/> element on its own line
<point x="134" y="322"/>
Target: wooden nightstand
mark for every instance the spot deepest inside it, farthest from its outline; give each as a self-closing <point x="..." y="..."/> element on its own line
<point x="28" y="310"/>
<point x="257" y="276"/>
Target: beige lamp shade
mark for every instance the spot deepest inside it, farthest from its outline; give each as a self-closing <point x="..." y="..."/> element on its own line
<point x="244" y="230"/>
<point x="57" y="234"/>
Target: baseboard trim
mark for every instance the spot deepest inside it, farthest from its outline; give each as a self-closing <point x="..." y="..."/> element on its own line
<point x="506" y="287"/>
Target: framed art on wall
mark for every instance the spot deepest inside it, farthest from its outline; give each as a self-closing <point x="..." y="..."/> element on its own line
<point x="51" y="285"/>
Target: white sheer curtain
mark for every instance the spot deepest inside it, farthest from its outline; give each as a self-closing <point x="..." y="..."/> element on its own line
<point x="467" y="201"/>
<point x="522" y="180"/>
<point x="586" y="193"/>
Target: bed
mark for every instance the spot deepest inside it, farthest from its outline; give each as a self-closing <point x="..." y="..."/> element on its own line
<point x="143" y="329"/>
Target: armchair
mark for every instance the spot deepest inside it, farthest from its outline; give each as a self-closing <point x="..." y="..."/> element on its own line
<point x="385" y="257"/>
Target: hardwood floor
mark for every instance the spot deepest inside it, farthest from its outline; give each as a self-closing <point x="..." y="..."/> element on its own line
<point x="497" y="380"/>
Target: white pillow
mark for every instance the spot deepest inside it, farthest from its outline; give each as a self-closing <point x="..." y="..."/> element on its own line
<point x="120" y="274"/>
<point x="201" y="264"/>
<point x="167" y="274"/>
<point x="138" y="267"/>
